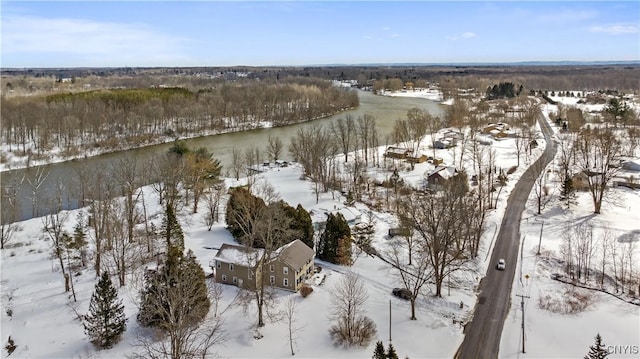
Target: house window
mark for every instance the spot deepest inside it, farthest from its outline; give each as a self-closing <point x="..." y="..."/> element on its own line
<point x="231" y="267"/>
<point x="271" y="268"/>
<point x="285" y="282"/>
<point x="224" y="277"/>
<point x="250" y="275"/>
<point x="218" y="264"/>
<point x="285" y="270"/>
<point x="272" y="280"/>
<point x="235" y="280"/>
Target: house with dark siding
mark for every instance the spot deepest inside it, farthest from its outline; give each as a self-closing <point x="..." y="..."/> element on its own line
<point x="286" y="268"/>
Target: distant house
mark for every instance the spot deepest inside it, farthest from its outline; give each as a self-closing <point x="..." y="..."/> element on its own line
<point x="497" y="130"/>
<point x="397" y="152"/>
<point x="498" y="134"/>
<point x="421" y="159"/>
<point x="440" y="175"/>
<point x="287" y="267"/>
<point x="351" y="215"/>
<point x="445" y="142"/>
<point x="399" y="231"/>
<point x="319" y="216"/>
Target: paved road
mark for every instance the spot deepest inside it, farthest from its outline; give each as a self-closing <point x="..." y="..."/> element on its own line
<point x="483" y="333"/>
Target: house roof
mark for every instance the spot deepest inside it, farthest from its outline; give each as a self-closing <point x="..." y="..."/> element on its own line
<point x="399" y="150"/>
<point x="239" y="255"/>
<point x="444" y="171"/>
<point x="349" y="214"/>
<point x="296" y="254"/>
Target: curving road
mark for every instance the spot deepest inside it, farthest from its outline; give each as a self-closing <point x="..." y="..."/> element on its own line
<point x="483" y="333"/>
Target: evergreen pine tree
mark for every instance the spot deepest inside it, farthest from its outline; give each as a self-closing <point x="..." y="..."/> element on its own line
<point x="598" y="350"/>
<point x="391" y="352"/>
<point x="171" y="230"/>
<point x="175" y="297"/>
<point x="304" y="224"/>
<point x="105" y="322"/>
<point x="335" y="241"/>
<point x="378" y="352"/>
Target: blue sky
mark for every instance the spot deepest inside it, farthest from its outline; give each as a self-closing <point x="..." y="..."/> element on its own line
<point x="212" y="33"/>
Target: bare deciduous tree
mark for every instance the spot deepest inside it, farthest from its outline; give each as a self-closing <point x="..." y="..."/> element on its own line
<point x="274" y="148"/>
<point x="236" y="163"/>
<point x="213" y="198"/>
<point x="414" y="276"/>
<point x="598" y="151"/>
<point x="352" y="326"/>
<point x="290" y="312"/>
<point x="344" y="130"/>
<point x="312" y="147"/>
<point x="437" y="219"/>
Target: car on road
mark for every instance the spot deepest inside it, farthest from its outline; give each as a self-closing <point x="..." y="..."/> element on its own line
<point x="501" y="264"/>
<point x="403" y="293"/>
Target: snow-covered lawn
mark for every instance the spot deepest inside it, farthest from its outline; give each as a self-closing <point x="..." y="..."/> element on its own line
<point x="428" y="93"/>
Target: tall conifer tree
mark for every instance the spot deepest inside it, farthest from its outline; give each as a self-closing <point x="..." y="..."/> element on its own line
<point x="106" y="321"/>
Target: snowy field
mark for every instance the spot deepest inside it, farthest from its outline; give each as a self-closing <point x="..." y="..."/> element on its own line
<point x="43" y="321"/>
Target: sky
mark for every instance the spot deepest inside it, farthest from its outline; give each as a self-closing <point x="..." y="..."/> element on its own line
<point x="266" y="33"/>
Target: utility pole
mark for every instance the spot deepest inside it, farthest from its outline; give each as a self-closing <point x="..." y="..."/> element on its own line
<point x="540" y="240"/>
<point x="522" y="305"/>
<point x="389" y="320"/>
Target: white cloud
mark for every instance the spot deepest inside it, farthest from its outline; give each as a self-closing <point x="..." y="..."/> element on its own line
<point x="615" y="29"/>
<point x="100" y="43"/>
<point x="464" y="35"/>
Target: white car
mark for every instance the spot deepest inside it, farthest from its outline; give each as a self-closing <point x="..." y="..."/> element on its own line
<point x="501" y="264"/>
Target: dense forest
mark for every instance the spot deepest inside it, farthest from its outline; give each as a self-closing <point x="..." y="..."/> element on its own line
<point x="119" y="117"/>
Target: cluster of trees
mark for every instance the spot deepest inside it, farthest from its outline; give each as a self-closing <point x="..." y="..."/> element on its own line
<point x="245" y="211"/>
<point x="589" y="159"/>
<point x="380" y="353"/>
<point x="504" y="90"/>
<point x="316" y="147"/>
<point x="118" y="118"/>
<point x="115" y="232"/>
<point x="444" y="228"/>
<point x="174" y="302"/>
<point x="590" y="255"/>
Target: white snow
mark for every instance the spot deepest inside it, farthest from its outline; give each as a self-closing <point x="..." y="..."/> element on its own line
<point x="426" y="93"/>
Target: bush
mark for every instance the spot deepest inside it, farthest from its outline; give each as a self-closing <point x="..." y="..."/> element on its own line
<point x="361" y="334"/>
<point x="305" y="290"/>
